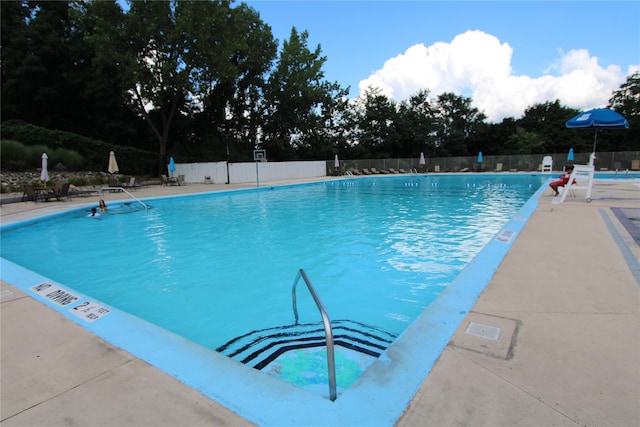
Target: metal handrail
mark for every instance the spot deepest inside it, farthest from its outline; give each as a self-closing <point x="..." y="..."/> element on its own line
<point x="122" y="189"/>
<point x="331" y="365"/>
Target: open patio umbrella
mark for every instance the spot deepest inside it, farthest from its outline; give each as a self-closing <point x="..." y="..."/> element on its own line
<point x="598" y="118"/>
<point x="44" y="174"/>
<point x="172" y="167"/>
<point x="113" y="164"/>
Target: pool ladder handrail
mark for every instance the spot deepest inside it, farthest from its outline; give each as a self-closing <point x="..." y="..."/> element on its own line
<point x="122" y="189"/>
<point x="331" y="365"/>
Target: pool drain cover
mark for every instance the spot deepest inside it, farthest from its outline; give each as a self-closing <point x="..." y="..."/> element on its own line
<point x="483" y="331"/>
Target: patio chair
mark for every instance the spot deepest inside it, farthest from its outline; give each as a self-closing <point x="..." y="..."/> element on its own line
<point x="547" y="164"/>
<point x="181" y="180"/>
<point x="132" y="183"/>
<point x="62" y="191"/>
<point x="498" y="167"/>
<point x="29" y="194"/>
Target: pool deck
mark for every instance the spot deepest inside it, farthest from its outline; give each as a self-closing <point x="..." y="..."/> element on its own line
<point x="566" y="300"/>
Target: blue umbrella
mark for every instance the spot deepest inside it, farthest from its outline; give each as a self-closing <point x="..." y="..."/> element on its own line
<point x="480" y="157"/>
<point x="599" y="118"/>
<point x="570" y="156"/>
<point x="172" y="166"/>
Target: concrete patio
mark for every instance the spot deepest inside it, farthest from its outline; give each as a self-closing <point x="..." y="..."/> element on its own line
<point x="565" y="301"/>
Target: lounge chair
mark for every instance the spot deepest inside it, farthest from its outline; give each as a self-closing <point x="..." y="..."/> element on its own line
<point x="62" y="191"/>
<point x="114" y="184"/>
<point x="392" y="170"/>
<point x="131" y="183"/>
<point x="366" y="171"/>
<point x="181" y="180"/>
<point x="172" y="180"/>
<point x="29" y="194"/>
<point x="356" y="172"/>
<point x="375" y="171"/>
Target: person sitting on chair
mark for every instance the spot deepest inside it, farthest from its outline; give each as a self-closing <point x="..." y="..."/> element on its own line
<point x="562" y="181"/>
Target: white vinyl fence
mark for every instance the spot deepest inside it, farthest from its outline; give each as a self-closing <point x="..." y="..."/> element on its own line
<point x="235" y="173"/>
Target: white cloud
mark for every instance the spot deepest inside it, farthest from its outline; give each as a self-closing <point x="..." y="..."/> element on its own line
<point x="477" y="65"/>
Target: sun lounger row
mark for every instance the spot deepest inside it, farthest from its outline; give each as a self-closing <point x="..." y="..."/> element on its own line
<point x="374" y="171"/>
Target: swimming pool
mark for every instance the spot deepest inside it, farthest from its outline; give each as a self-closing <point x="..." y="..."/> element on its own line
<point x="396" y="248"/>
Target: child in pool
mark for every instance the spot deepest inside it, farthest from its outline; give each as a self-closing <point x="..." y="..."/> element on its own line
<point x="94" y="213"/>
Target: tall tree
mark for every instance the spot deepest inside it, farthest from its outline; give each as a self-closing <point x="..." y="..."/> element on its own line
<point x="626" y="101"/>
<point x="44" y="64"/>
<point x="547" y="120"/>
<point x="459" y="125"/>
<point x="377" y="125"/>
<point x="230" y="51"/>
<point x="299" y="102"/>
<point x="416" y="126"/>
<point x="149" y="60"/>
<point x="14" y="51"/>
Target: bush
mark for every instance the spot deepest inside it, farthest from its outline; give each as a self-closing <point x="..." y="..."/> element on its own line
<point x="70" y="149"/>
<point x="71" y="160"/>
<point x="13" y="155"/>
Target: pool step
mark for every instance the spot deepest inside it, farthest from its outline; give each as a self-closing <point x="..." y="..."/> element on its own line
<point x="259" y="348"/>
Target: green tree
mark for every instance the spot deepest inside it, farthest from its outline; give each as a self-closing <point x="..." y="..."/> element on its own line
<point x="378" y="116"/>
<point x="547" y="120"/>
<point x="152" y="74"/>
<point x="300" y="105"/>
<point x="459" y="125"/>
<point x="416" y="126"/>
<point x="230" y="51"/>
<point x="524" y="142"/>
<point x="44" y="64"/>
<point x="15" y="50"/>
<point x="626" y="101"/>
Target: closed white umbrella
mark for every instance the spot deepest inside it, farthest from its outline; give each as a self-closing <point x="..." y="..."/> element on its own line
<point x="44" y="175"/>
<point x="336" y="162"/>
<point x="113" y="164"/>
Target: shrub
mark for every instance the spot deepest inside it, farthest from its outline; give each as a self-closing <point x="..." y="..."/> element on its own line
<point x="93" y="154"/>
<point x="13" y="155"/>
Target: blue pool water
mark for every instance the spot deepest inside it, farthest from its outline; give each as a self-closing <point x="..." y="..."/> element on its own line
<point x="213" y="268"/>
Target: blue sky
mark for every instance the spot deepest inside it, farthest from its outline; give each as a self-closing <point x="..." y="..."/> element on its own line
<point x="506" y="55"/>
